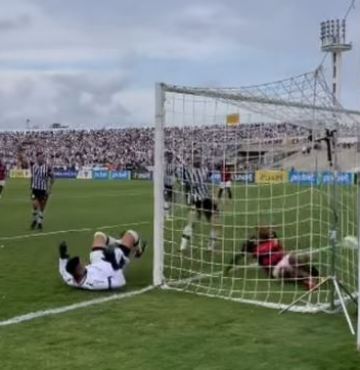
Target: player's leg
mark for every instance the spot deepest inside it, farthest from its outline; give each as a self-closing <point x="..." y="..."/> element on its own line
<point x="133" y="242"/>
<point x="127" y="243"/>
<point x="291" y="268"/>
<point x="98" y="246"/>
<point x="228" y="189"/>
<point x="188" y="229"/>
<point x="168" y="198"/>
<point x="305" y="264"/>
<point x="41" y="210"/>
<point x="305" y="272"/>
<point x="35" y="208"/>
<point x="211" y="214"/>
<point x="209" y="208"/>
<point x="285" y="269"/>
<point x="187" y="194"/>
<point x="221" y="189"/>
<point x="2" y="185"/>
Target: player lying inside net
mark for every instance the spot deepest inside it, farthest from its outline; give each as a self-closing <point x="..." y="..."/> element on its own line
<point x="108" y="258"/>
<point x="265" y="247"/>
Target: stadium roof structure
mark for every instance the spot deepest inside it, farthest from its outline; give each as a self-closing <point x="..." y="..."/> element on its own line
<point x="305" y="100"/>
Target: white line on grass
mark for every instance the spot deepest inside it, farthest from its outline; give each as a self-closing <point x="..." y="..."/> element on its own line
<point x="38" y="235"/>
<point x="55" y="311"/>
<point x="85" y="196"/>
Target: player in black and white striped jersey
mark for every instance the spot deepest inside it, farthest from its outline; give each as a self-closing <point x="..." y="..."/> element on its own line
<point x="169" y="182"/>
<point x="198" y="179"/>
<point x="42" y="180"/>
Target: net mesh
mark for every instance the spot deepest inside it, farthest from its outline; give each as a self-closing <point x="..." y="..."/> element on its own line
<point x="281" y="177"/>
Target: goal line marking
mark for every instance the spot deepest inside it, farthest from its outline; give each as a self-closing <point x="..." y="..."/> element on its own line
<point x="56" y="311"/>
<point x="84" y="229"/>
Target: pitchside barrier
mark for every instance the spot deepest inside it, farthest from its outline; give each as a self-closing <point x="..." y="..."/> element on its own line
<point x="257" y="177"/>
<point x="321" y="178"/>
<point x="20" y="174"/>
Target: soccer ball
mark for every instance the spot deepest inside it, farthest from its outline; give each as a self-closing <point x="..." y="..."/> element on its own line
<point x="350" y="242"/>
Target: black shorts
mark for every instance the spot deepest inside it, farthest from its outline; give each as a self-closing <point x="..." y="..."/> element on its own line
<point x="206" y="206"/>
<point x="37" y="194"/>
<point x="168" y="193"/>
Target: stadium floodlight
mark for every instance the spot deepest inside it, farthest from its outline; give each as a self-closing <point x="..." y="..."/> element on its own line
<point x="299" y="205"/>
<point x="333" y="40"/>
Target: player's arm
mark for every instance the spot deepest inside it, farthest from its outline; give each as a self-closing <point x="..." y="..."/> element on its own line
<point x="63" y="259"/>
<point x="67" y="278"/>
<point x="247" y="248"/>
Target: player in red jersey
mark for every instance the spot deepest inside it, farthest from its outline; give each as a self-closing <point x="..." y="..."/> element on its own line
<point x="2" y="176"/>
<point x="225" y="182"/>
<point x="266" y="248"/>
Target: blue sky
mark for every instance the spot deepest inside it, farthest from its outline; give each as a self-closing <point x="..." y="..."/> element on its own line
<point x="91" y="62"/>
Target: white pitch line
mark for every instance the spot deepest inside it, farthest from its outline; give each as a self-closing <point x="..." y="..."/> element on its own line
<point x="112" y="195"/>
<point x="55" y="311"/>
<point x="38" y="235"/>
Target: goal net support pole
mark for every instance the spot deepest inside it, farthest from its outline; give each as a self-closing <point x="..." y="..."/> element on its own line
<point x="337" y="287"/>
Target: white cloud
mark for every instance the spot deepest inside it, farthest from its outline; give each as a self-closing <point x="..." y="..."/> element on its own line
<point x="78" y="61"/>
<point x="72" y="98"/>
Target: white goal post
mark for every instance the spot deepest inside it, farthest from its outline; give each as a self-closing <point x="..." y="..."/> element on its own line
<point x="287" y="153"/>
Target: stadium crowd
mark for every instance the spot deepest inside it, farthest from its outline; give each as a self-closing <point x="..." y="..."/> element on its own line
<point x="133" y="147"/>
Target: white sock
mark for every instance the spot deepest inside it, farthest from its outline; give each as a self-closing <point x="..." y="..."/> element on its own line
<point x="186" y="236"/>
<point x="212" y="239"/>
<point x="167" y="209"/>
<point x="40" y="217"/>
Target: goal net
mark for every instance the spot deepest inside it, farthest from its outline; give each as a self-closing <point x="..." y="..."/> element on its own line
<point x="285" y="155"/>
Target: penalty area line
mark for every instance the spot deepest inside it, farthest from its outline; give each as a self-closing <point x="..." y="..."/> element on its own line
<point x="56" y="311"/>
<point x="84" y="229"/>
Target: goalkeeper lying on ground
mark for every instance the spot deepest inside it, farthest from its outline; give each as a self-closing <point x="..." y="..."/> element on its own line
<point x="108" y="258"/>
<point x="265" y="247"/>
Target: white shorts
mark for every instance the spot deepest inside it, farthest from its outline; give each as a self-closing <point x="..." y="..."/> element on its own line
<point x="98" y="255"/>
<point x="225" y="185"/>
<point x="2" y="183"/>
<point x="282" y="266"/>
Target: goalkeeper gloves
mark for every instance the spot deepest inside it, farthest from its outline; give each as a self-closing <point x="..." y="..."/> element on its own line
<point x="63" y="252"/>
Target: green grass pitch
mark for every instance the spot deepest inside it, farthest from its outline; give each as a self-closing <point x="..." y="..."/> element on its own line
<point x="156" y="330"/>
<point x="301" y="215"/>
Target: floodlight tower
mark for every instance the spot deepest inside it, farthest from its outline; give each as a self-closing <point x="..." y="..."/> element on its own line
<point x="333" y="40"/>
